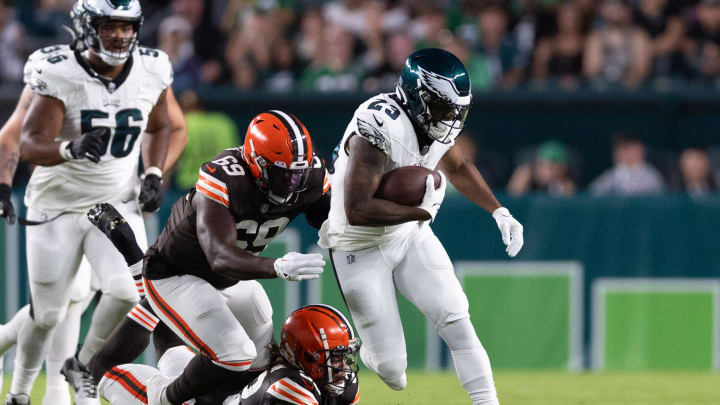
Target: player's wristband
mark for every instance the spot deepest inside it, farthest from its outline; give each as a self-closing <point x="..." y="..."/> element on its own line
<point x="154" y="170"/>
<point x="65" y="150"/>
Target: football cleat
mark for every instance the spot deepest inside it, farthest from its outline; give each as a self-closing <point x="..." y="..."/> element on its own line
<point x="106" y="218"/>
<point x="20" y="399"/>
<point x="82" y="382"/>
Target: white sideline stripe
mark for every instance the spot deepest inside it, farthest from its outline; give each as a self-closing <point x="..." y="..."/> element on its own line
<point x="212" y="179"/>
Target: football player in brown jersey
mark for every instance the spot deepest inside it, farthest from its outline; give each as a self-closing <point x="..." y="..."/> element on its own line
<point x="243" y="199"/>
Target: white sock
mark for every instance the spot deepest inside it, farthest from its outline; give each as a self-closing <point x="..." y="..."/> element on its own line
<point x="472" y="364"/>
<point x="174" y="360"/>
<point x="33" y="346"/>
<point x="63" y="345"/>
<point x="109" y="312"/>
<point x="9" y="331"/>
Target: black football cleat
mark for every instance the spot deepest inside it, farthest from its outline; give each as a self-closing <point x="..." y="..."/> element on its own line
<point x="105" y="217"/>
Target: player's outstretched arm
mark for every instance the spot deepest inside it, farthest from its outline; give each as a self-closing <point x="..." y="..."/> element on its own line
<point x="366" y="167"/>
<point x="467" y="179"/>
<point x="10" y="153"/>
<point x="217" y="235"/>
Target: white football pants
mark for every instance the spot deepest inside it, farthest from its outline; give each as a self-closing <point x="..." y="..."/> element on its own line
<point x="417" y="266"/>
<point x="54" y="251"/>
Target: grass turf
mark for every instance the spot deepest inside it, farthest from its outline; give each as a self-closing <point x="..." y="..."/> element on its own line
<point x="534" y="388"/>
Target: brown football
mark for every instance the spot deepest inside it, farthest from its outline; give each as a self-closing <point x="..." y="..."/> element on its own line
<point x="405" y="185"/>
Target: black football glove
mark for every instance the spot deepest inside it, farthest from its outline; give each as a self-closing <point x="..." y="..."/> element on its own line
<point x="106" y="218"/>
<point x="6" y="208"/>
<point x="89" y="145"/>
<point x="151" y="193"/>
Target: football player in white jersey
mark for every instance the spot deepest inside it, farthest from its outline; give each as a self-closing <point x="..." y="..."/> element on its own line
<point x="378" y="246"/>
<point x="66" y="336"/>
<point x="82" y="129"/>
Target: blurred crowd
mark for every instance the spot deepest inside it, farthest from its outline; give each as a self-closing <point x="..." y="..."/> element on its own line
<point x="360" y="45"/>
<point x="554" y="169"/>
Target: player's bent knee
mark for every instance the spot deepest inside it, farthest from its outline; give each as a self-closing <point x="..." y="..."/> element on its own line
<point x="50" y="319"/>
<point x="261" y="308"/>
<point x="392" y="372"/>
<point x="123" y="289"/>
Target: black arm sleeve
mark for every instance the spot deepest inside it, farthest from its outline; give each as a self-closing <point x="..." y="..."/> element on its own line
<point x="318" y="212"/>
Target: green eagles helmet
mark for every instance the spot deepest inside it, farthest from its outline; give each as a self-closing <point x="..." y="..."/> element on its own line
<point x="87" y="16"/>
<point x="434" y="88"/>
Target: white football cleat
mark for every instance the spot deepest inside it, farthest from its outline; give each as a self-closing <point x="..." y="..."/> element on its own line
<point x="82" y="382"/>
<point x="155" y="389"/>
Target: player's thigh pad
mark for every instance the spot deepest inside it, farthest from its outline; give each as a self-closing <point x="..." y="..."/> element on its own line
<point x="427" y="279"/>
<point x="52" y="264"/>
<point x="81" y="286"/>
<point x="197" y="312"/>
<point x="126" y="384"/>
<point x="250" y="304"/>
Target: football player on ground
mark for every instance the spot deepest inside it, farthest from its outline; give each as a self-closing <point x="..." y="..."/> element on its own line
<point x="314" y="364"/>
<point x="377" y="246"/>
<point x="65" y="337"/>
<point x="316" y="341"/>
<point x="243" y="199"/>
<point x="97" y="102"/>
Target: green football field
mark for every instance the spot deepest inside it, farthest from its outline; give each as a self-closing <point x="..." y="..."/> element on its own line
<point x="537" y="388"/>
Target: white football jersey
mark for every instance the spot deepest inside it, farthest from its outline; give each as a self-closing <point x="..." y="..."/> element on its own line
<point x="123" y="105"/>
<point x="385" y="124"/>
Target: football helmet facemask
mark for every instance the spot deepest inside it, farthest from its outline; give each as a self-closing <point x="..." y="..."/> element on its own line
<point x="279" y="152"/>
<point x="89" y="16"/>
<point x="434" y="88"/>
<point x="320" y="341"/>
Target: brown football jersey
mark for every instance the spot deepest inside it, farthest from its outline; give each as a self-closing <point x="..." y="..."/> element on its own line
<point x="227" y="181"/>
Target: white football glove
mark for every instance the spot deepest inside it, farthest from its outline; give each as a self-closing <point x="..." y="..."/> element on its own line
<point x="299" y="266"/>
<point x="510" y="229"/>
<point x="433" y="196"/>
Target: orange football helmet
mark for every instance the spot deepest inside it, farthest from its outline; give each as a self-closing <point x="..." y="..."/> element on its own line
<point x="320" y="341"/>
<point x="279" y="153"/>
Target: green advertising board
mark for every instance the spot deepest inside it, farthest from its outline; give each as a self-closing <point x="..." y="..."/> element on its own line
<point x="528" y="315"/>
<point x="655" y="324"/>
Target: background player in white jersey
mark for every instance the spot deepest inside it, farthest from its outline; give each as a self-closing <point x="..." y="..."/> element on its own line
<point x="378" y="246"/>
<point x="82" y="129"/>
<point x="65" y="337"/>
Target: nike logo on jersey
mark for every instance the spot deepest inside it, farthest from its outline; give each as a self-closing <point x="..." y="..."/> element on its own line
<point x="379" y="123"/>
<point x="211" y="169"/>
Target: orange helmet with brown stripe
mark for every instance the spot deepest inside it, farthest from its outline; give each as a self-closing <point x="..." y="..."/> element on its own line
<point x="319" y="340"/>
<point x="279" y="152"/>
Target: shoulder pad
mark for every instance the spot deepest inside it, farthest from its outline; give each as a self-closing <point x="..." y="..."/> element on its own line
<point x="296" y="392"/>
<point x="55" y="76"/>
<point x="216" y="175"/>
<point x="48" y="52"/>
<point x="156" y="62"/>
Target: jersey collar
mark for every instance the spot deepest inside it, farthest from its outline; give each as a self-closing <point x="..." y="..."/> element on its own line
<point x="424" y="141"/>
<point x="111" y="85"/>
